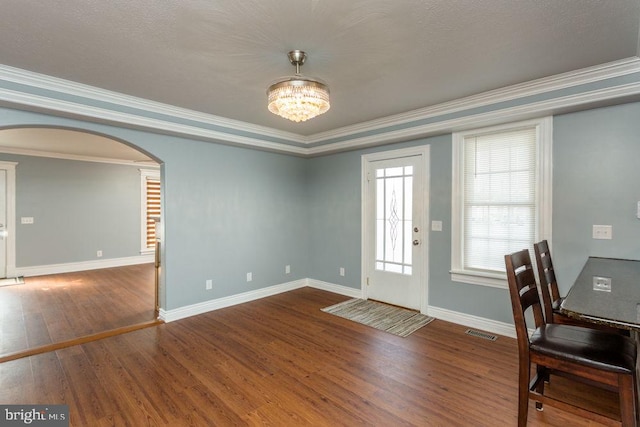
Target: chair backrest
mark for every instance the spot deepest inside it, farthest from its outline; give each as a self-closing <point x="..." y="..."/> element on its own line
<point x="523" y="290"/>
<point x="547" y="275"/>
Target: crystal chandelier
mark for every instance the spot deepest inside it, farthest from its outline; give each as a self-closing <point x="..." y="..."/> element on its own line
<point x="298" y="98"/>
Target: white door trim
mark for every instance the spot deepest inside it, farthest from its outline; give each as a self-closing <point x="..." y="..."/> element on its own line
<point x="366" y="245"/>
<point x="10" y="168"/>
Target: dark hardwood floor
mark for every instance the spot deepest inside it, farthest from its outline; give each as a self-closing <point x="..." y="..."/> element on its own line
<point x="55" y="308"/>
<point x="281" y="361"/>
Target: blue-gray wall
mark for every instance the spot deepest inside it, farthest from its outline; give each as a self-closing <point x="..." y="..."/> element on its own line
<point x="78" y="209"/>
<point x="596" y="166"/>
<point x="596" y="181"/>
<point x="229" y="211"/>
<point x="336" y="229"/>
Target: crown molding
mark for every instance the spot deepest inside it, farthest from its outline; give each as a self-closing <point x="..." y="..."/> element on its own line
<point x="508" y="93"/>
<point x="490" y="118"/>
<point x="40" y="103"/>
<point x="67" y="87"/>
<point x="347" y="137"/>
<point x="63" y="156"/>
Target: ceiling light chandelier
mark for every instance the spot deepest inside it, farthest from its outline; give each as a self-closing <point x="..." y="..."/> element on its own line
<point x="298" y="98"/>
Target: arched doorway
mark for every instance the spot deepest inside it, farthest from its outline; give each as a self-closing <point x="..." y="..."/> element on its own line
<point x="80" y="205"/>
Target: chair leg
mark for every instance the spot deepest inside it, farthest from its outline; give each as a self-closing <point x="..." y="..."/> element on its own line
<point x="627" y="400"/>
<point x="523" y="392"/>
<point x="544" y="377"/>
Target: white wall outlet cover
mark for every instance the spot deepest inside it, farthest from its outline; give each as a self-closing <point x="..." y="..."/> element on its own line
<point x="602" y="284"/>
<point x="603" y="232"/>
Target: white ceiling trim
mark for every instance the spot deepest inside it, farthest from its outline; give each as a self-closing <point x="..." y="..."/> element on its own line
<point x="491" y="118"/>
<point x="45" y="103"/>
<point x="40" y="103"/>
<point x="534" y="87"/>
<point x="37" y="153"/>
<point x="42" y="81"/>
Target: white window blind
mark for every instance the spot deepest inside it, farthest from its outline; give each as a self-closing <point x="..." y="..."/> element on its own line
<point x="150" y="208"/>
<point x="152" y="197"/>
<point x="500" y="212"/>
<point x="501" y="198"/>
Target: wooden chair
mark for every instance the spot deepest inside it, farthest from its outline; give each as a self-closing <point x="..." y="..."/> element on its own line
<point x="551" y="299"/>
<point x="592" y="356"/>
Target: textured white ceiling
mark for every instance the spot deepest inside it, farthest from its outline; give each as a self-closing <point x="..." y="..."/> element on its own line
<point x="379" y="57"/>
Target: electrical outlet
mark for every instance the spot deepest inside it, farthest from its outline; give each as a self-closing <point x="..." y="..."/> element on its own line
<point x="602" y="284"/>
<point x="249" y="277"/>
<point x="99" y="254"/>
<point x="29" y="220"/>
<point x="603" y="232"/>
<point x="287" y="269"/>
<point x="342" y="271"/>
<point x="208" y="284"/>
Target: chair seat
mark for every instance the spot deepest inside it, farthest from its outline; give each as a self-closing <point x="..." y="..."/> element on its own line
<point x="588" y="347"/>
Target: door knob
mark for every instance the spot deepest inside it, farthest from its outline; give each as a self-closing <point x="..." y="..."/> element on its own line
<point x="416" y="242"/>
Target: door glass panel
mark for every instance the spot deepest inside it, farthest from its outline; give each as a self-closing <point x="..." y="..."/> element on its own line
<point x="394" y="196"/>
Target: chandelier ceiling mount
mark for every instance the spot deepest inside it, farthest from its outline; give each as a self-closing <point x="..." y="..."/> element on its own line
<point x="298" y="98"/>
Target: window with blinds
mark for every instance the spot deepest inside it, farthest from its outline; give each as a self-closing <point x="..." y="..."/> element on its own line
<point x="152" y="198"/>
<point x="150" y="208"/>
<point x="501" y="196"/>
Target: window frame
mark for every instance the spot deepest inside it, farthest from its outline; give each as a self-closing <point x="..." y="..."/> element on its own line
<point x="544" y="146"/>
<point x="144" y="175"/>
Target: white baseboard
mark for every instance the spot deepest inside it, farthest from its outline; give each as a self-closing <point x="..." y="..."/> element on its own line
<point x="488" y="325"/>
<point x="336" y="289"/>
<point x="471" y="321"/>
<point x="41" y="270"/>
<point x="204" y="307"/>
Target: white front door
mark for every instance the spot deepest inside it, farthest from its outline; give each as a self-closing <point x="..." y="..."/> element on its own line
<point x="395" y="217"/>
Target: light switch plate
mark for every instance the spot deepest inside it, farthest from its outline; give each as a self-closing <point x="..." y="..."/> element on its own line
<point x="436" y="225"/>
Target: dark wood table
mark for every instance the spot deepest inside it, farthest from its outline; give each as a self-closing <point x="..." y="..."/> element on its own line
<point x="607" y="291"/>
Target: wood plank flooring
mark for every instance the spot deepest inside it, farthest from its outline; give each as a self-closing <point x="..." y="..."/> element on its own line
<point x="281" y="361"/>
<point x="55" y="308"/>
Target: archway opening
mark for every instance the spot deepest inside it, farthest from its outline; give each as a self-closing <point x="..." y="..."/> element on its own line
<point x="82" y="205"/>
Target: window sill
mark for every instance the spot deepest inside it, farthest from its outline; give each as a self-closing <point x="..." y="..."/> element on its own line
<point x="477" y="278"/>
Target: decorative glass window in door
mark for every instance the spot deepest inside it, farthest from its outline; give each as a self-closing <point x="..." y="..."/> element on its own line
<point x="394" y="197"/>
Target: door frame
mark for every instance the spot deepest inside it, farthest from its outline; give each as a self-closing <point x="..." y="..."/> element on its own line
<point x="10" y="226"/>
<point x="367" y="203"/>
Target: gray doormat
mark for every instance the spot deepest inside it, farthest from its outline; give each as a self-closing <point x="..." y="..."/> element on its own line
<point x="389" y="318"/>
<point x="12" y="281"/>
